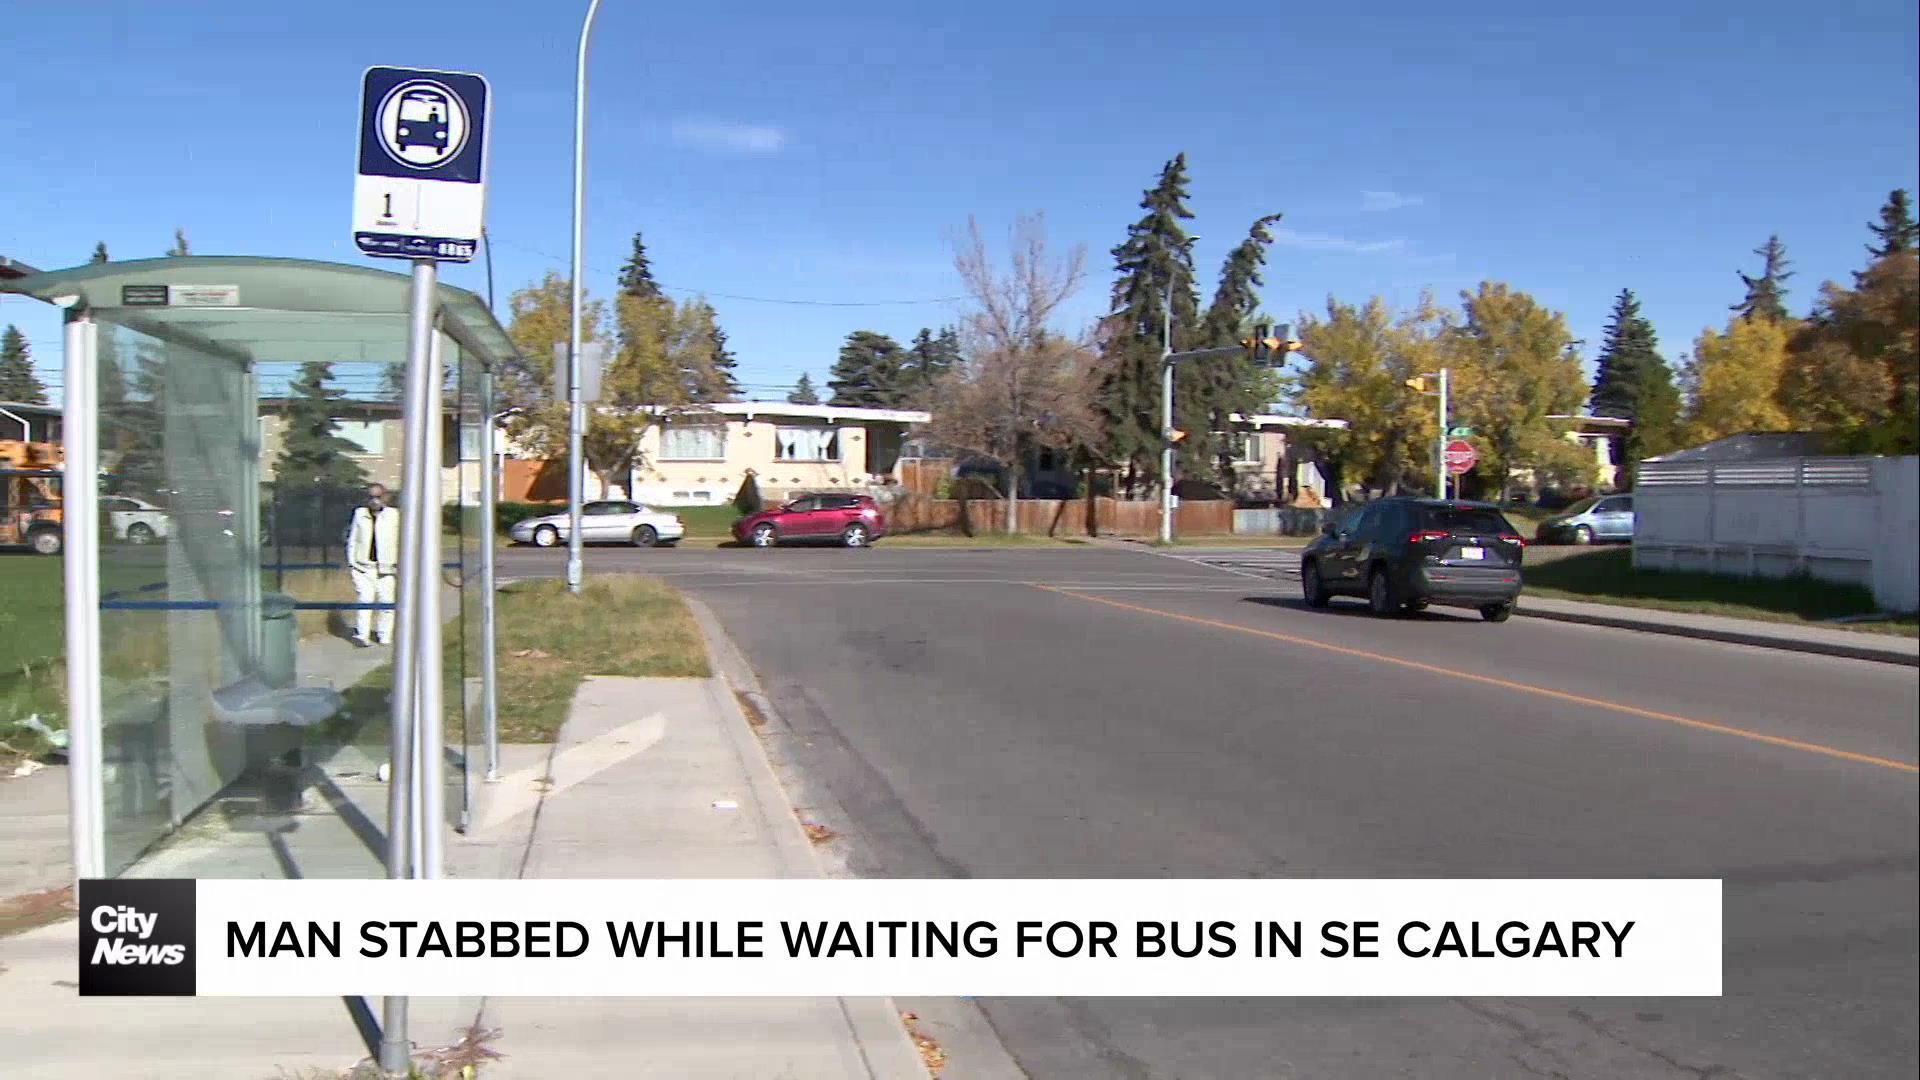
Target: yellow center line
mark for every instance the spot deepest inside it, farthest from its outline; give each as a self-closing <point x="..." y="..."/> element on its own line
<point x="1505" y="684"/>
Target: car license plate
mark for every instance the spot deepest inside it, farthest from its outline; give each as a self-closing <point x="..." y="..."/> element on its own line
<point x="1473" y="553"/>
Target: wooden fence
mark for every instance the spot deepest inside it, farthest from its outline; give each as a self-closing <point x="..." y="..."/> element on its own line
<point x="1056" y="517"/>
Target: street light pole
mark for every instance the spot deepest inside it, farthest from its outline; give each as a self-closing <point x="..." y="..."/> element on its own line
<point x="576" y="409"/>
<point x="1166" y="419"/>
<point x="1440" y="458"/>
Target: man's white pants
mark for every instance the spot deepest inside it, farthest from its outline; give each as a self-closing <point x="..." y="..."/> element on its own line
<point x="373" y="588"/>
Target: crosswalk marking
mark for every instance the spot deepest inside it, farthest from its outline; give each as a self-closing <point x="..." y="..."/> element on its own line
<point x="1250" y="562"/>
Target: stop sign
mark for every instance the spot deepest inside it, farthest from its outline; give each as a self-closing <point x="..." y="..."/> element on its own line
<point x="1461" y="456"/>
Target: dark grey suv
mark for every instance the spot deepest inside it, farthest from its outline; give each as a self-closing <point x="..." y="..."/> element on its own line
<point x="1404" y="553"/>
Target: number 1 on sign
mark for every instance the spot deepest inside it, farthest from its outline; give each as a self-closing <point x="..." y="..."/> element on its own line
<point x="388" y="203"/>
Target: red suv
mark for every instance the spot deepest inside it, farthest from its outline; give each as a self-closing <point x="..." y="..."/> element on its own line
<point x="847" y="520"/>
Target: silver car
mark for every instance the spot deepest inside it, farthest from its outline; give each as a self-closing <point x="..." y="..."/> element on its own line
<point x="1609" y="517"/>
<point x="610" y="521"/>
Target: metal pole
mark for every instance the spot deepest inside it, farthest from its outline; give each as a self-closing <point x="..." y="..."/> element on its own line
<point x="576" y="410"/>
<point x="80" y="514"/>
<point x="1166" y="420"/>
<point x="396" y="1051"/>
<point x="489" y="495"/>
<point x="430" y="722"/>
<point x="1440" y="469"/>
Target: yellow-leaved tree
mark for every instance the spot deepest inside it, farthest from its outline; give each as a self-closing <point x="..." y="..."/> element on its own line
<point x="662" y="368"/>
<point x="1514" y="367"/>
<point x="1360" y="358"/>
<point x="1733" y="378"/>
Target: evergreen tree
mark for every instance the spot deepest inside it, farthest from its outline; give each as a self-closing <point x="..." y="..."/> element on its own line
<point x="99" y="252"/>
<point x="636" y="275"/>
<point x="1211" y="391"/>
<point x="179" y="243"/>
<point x="1154" y="261"/>
<point x="1897" y="230"/>
<point x="1767" y="294"/>
<point x="724" y="361"/>
<point x="18" y="380"/>
<point x="867" y="374"/>
<point x="928" y="358"/>
<point x="803" y="392"/>
<point x="1633" y="382"/>
<point x="312" y="452"/>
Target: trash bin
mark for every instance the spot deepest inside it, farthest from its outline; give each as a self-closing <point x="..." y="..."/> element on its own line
<point x="280" y="634"/>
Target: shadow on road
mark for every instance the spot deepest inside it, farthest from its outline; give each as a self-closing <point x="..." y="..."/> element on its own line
<point x="1359" y="610"/>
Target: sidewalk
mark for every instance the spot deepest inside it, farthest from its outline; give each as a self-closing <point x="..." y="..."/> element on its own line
<point x="649" y="778"/>
<point x="1796" y="637"/>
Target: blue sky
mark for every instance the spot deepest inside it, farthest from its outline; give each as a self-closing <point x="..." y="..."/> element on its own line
<point x="830" y="155"/>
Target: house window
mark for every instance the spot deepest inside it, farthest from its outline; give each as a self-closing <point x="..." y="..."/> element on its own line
<point x="693" y="444"/>
<point x="1248" y="450"/>
<point x="806" y="444"/>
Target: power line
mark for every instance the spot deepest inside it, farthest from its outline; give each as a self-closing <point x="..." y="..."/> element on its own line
<point x="751" y="299"/>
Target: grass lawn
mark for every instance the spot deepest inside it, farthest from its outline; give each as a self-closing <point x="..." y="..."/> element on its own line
<point x="551" y="640"/>
<point x="1606" y="575"/>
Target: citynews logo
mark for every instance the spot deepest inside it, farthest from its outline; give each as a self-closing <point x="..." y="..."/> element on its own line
<point x="136" y="937"/>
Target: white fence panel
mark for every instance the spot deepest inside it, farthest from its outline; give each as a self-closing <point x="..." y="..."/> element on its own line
<point x="1849" y="519"/>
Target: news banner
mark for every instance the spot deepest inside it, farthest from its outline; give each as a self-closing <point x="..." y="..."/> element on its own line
<point x="931" y="938"/>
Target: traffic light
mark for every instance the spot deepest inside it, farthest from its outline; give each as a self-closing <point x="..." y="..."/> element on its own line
<point x="1174" y="435"/>
<point x="1418" y="382"/>
<point x="1268" y="348"/>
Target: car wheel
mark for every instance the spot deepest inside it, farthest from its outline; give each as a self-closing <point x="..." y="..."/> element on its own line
<point x="46" y="542"/>
<point x="1380" y="593"/>
<point x="546" y="536"/>
<point x="645" y="536"/>
<point x="762" y="535"/>
<point x="1312" y="589"/>
<point x="855" y="536"/>
<point x="139" y="533"/>
<point x="1583" y="535"/>
<point x="1497" y="612"/>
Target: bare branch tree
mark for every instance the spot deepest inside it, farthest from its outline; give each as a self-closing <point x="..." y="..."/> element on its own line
<point x="1020" y="384"/>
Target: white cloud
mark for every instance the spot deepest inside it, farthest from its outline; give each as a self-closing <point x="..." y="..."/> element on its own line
<point x="1322" y="242"/>
<point x="1387" y="200"/>
<point x="728" y="136"/>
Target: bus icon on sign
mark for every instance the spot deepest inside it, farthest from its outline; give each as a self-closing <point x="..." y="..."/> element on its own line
<point x="422" y="124"/>
<point x="423" y="121"/>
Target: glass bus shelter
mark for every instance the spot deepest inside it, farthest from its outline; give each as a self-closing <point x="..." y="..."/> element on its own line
<point x="223" y="723"/>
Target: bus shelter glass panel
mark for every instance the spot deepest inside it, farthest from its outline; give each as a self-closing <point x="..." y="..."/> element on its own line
<point x="246" y="718"/>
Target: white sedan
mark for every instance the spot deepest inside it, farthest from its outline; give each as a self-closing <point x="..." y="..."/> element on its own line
<point x="612" y="521"/>
<point x="133" y="520"/>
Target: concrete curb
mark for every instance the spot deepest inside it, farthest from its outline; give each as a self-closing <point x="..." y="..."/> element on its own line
<point x="873" y="1023"/>
<point x="1757" y="639"/>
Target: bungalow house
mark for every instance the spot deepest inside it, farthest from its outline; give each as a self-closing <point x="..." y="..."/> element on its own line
<point x="699" y="458"/>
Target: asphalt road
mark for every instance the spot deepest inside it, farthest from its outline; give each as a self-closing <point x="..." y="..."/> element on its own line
<point x="1109" y="713"/>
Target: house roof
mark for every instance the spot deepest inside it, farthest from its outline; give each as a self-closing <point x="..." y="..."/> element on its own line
<point x="11" y="267"/>
<point x="1594" y="424"/>
<point x="751" y="409"/>
<point x="1267" y="420"/>
<point x="1751" y="446"/>
<point x="25" y="409"/>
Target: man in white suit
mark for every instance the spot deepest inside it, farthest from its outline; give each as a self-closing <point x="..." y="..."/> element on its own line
<point x="373" y="558"/>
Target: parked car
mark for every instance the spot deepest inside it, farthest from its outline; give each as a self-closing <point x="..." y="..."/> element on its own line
<point x="1607" y="518"/>
<point x="1405" y="553"/>
<point x="847" y="520"/>
<point x="610" y="521"/>
<point x="134" y="521"/>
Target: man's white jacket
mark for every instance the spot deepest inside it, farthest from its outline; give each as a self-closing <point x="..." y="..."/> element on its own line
<point x="360" y="540"/>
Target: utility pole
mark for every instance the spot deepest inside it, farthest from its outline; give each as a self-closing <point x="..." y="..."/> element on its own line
<point x="1166" y="418"/>
<point x="1419" y="382"/>
<point x="576" y="408"/>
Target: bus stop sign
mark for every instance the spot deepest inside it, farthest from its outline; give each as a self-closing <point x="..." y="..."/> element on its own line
<point x="420" y="192"/>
